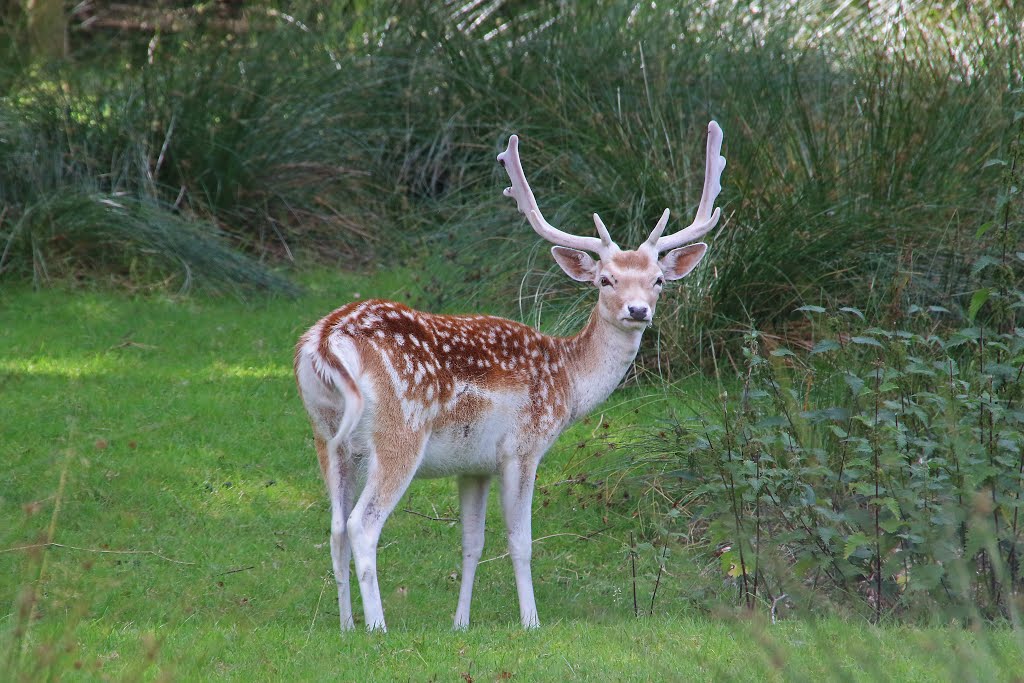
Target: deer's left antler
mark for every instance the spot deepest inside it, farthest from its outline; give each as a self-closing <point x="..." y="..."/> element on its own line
<point x="705" y="218"/>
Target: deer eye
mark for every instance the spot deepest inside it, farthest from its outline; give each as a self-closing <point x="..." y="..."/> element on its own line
<point x="659" y="282"/>
<point x="605" y="282"/>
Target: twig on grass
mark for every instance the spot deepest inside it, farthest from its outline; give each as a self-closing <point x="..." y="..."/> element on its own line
<point x="544" y="538"/>
<point x="235" y="571"/>
<point x="93" y="550"/>
<point x="433" y="519"/>
<point x="129" y="344"/>
<point x="316" y="610"/>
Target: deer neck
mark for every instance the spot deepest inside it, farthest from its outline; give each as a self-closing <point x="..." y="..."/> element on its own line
<point x="598" y="357"/>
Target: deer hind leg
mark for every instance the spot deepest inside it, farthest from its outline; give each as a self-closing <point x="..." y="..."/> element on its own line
<point x="336" y="468"/>
<point x="393" y="461"/>
<point x="517" y="479"/>
<point x="473" y="503"/>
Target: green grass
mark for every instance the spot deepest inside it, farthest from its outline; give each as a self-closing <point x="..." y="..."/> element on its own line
<point x="192" y="528"/>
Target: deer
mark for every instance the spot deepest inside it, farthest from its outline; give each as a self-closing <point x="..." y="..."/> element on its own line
<point x="394" y="393"/>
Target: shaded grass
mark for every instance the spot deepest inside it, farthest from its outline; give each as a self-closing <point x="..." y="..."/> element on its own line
<point x="193" y="527"/>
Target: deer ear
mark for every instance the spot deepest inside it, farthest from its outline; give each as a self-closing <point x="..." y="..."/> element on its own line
<point x="679" y="262"/>
<point x="577" y="264"/>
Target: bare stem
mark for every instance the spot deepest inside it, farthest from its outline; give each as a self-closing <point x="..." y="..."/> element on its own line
<point x="632" y="561"/>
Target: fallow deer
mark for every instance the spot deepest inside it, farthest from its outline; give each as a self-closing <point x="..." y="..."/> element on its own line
<point x="394" y="393"/>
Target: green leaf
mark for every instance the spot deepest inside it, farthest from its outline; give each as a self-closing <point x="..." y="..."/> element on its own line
<point x="866" y="341"/>
<point x="811" y="309"/>
<point x="983" y="262"/>
<point x="924" y="577"/>
<point x="810" y="498"/>
<point x="851" y="309"/>
<point x="977" y="301"/>
<point x="838" y="431"/>
<point x="825" y="414"/>
<point x="983" y="228"/>
<point x="826" y="345"/>
<point x="731" y="563"/>
<point x="960" y="337"/>
<point x="853" y="542"/>
<point x="781" y="352"/>
<point x="993" y="162"/>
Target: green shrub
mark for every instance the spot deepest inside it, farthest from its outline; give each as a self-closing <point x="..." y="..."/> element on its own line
<point x="880" y="466"/>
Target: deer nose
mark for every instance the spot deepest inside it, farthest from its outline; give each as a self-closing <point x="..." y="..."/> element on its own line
<point x="638" y="312"/>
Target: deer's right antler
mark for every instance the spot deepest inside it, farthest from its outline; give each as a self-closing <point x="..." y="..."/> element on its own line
<point x="527" y="204"/>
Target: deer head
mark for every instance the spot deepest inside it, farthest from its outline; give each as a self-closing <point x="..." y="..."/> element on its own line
<point x="628" y="282"/>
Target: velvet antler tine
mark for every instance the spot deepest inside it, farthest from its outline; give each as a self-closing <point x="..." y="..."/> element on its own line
<point x="652" y="241"/>
<point x="707" y="216"/>
<point x="527" y="205"/>
<point x="606" y="238"/>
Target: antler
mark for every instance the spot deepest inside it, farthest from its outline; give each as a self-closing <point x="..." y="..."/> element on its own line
<point x="527" y="205"/>
<point x="703" y="222"/>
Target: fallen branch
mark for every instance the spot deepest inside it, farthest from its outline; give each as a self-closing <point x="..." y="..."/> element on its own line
<point x="775" y="602"/>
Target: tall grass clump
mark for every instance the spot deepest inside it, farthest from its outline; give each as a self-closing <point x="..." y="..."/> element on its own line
<point x="233" y="148"/>
<point x="856" y="142"/>
<point x="354" y="134"/>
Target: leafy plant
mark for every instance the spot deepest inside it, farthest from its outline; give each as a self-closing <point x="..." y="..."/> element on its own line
<point x="881" y="464"/>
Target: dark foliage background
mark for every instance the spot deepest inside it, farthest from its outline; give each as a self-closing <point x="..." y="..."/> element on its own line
<point x="275" y="137"/>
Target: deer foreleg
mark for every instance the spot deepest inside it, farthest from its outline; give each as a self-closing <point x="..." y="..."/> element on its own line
<point x="473" y="503"/>
<point x="516" y="502"/>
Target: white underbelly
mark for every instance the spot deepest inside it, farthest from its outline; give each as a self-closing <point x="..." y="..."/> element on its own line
<point x="477" y="447"/>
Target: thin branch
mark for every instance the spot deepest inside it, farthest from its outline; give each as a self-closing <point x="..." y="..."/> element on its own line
<point x="93" y="550"/>
<point x="774" y="603"/>
<point x="433" y="519"/>
<point x="657" y="581"/>
<point x="316" y="611"/>
<point x="632" y="560"/>
<point x="235" y="571"/>
<point x="544" y="538"/>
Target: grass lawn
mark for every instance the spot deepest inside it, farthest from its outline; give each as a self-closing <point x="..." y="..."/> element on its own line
<point x="160" y="442"/>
